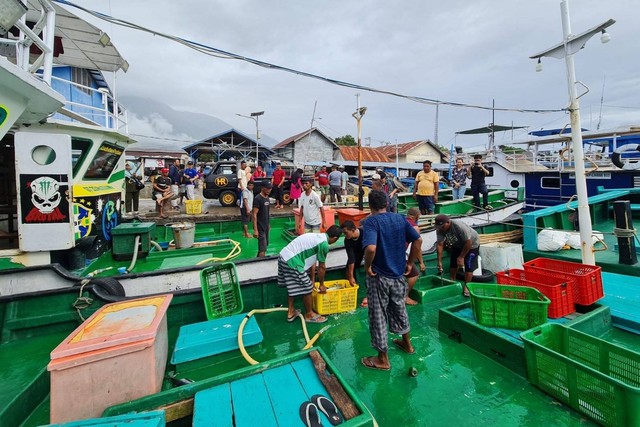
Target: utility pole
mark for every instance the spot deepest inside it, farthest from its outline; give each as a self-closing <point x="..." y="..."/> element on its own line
<point x="358" y="116"/>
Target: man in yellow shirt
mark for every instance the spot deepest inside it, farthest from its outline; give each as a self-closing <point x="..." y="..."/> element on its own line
<point x="425" y="188"/>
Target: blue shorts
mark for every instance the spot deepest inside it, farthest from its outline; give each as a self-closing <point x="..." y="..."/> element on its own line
<point x="426" y="203"/>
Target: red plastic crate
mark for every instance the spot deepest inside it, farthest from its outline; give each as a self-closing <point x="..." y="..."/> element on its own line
<point x="588" y="278"/>
<point x="559" y="291"/>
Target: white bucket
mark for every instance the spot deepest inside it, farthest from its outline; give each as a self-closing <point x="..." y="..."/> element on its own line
<point x="184" y="234"/>
<point x="478" y="271"/>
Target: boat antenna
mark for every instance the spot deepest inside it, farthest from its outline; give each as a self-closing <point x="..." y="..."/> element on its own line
<point x="604" y="80"/>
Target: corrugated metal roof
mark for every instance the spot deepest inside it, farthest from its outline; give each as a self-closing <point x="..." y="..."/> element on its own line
<point x="390" y="150"/>
<point x="368" y="154"/>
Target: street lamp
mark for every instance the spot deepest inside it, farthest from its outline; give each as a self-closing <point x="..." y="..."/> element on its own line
<point x="569" y="46"/>
<point x="255" y="117"/>
<point x="358" y="116"/>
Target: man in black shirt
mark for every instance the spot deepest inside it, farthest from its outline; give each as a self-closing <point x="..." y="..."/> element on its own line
<point x="477" y="172"/>
<point x="355" y="251"/>
<point x="261" y="218"/>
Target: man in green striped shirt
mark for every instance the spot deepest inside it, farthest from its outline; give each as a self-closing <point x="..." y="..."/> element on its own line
<point x="295" y="259"/>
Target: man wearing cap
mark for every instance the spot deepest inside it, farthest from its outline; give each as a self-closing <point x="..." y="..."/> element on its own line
<point x="463" y="244"/>
<point x="261" y="218"/>
<point x="425" y="188"/>
<point x="162" y="191"/>
<point x="277" y="180"/>
<point x="385" y="263"/>
<point x="477" y="172"/>
<point x="311" y="208"/>
<point x="190" y="175"/>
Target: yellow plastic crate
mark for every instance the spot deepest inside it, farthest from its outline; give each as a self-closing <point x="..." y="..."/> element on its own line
<point x="194" y="207"/>
<point x="340" y="297"/>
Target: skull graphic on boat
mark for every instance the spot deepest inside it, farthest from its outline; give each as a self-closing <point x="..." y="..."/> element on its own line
<point x="45" y="194"/>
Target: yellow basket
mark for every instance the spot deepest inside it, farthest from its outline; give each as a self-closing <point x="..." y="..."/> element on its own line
<point x="340" y="297"/>
<point x="194" y="207"/>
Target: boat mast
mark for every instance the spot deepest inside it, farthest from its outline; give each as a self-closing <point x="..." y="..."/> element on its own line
<point x="571" y="44"/>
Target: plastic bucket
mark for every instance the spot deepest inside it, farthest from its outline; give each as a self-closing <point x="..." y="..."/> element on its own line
<point x="184" y="234"/>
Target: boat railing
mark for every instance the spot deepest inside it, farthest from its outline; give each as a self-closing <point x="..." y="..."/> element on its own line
<point x="81" y="107"/>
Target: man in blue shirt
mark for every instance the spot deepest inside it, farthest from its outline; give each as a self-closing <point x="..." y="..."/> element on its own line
<point x="386" y="235"/>
<point x="190" y="175"/>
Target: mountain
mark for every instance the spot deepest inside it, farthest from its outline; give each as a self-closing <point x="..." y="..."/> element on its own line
<point x="154" y="121"/>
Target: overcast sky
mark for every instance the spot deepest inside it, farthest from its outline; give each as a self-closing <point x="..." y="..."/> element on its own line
<point x="456" y="50"/>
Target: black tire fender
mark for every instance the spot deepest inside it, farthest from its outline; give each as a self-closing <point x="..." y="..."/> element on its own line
<point x="485" y="277"/>
<point x="107" y="289"/>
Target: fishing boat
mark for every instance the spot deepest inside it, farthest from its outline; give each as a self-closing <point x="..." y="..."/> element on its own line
<point x="71" y="353"/>
<point x="544" y="165"/>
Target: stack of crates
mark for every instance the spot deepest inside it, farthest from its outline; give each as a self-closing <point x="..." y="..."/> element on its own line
<point x="559" y="291"/>
<point x="588" y="278"/>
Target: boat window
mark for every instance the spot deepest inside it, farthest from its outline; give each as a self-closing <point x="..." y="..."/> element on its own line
<point x="515" y="183"/>
<point x="104" y="161"/>
<point x="79" y="149"/>
<point x="550" y="182"/>
<point x="81" y="76"/>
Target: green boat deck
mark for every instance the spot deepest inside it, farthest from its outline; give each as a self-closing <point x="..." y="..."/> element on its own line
<point x="454" y="384"/>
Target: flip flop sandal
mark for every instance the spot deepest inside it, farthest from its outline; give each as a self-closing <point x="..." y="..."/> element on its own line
<point x="400" y="344"/>
<point x="368" y="363"/>
<point x="317" y="319"/>
<point x="296" y="313"/>
<point x="328" y="408"/>
<point x="309" y="415"/>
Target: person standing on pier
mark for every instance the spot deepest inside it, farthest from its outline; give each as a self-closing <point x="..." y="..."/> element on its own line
<point x="311" y="208"/>
<point x="261" y="225"/>
<point x="477" y="172"/>
<point x="425" y="188"/>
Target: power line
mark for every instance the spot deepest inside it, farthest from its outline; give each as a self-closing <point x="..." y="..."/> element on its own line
<point x="219" y="53"/>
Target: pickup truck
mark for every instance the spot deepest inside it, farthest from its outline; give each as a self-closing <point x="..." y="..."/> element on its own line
<point x="222" y="183"/>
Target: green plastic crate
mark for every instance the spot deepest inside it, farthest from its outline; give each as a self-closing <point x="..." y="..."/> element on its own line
<point x="510" y="307"/>
<point x="221" y="290"/>
<point x="596" y="378"/>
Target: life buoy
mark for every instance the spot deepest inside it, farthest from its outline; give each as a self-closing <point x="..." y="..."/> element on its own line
<point x="617" y="160"/>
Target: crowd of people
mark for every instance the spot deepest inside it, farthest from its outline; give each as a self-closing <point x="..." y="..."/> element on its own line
<point x="386" y="245"/>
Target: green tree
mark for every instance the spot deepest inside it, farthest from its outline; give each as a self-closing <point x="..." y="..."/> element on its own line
<point x="511" y="150"/>
<point x="346" y="140"/>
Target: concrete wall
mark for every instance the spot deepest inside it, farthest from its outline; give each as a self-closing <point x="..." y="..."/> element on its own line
<point x="314" y="147"/>
<point x="420" y="154"/>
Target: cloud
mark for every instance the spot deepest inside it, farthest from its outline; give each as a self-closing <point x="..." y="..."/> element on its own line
<point x="461" y="51"/>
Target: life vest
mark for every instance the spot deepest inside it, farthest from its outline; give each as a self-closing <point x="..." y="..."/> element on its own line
<point x="617" y="159"/>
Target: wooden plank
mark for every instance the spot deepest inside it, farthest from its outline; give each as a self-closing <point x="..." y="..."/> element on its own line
<point x="286" y="393"/>
<point x="212" y="407"/>
<point x="333" y="386"/>
<point x="251" y="403"/>
<point x="177" y="410"/>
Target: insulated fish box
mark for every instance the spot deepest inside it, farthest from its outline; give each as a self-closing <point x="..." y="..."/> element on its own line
<point x="116" y="355"/>
<point x="124" y="239"/>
